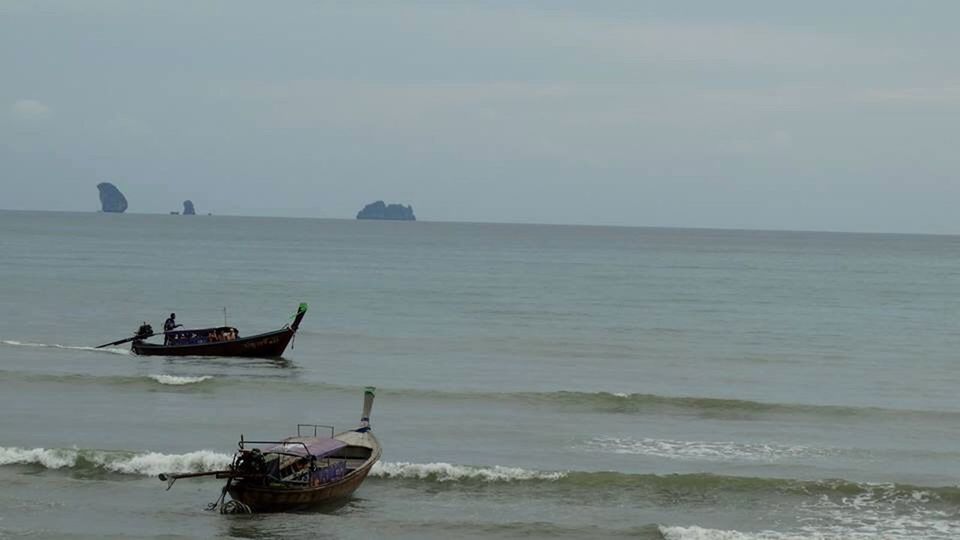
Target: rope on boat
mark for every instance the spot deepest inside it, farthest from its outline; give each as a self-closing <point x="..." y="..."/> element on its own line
<point x="230" y="507"/>
<point x="223" y="493"/>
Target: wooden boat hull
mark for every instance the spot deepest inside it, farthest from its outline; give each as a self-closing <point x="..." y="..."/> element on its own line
<point x="280" y="500"/>
<point x="266" y="499"/>
<point x="268" y="345"/>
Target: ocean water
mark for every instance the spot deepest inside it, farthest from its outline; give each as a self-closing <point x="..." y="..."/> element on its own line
<point x="533" y="381"/>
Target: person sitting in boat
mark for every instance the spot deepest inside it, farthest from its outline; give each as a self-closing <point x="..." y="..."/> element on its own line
<point x="169" y="325"/>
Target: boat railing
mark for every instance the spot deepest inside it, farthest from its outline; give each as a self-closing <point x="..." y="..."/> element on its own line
<point x="315" y="428"/>
<point x="306" y="449"/>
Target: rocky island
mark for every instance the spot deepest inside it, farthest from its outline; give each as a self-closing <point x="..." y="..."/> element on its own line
<point x="188" y="209"/>
<point x="111" y="200"/>
<point x="381" y="210"/>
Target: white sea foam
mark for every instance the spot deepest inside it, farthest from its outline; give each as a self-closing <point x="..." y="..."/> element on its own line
<point x="858" y="528"/>
<point x="446" y="472"/>
<point x="880" y="511"/>
<point x="704" y="450"/>
<point x="147" y="464"/>
<point x="700" y="533"/>
<point x="154" y="463"/>
<point x="112" y="350"/>
<point x="51" y="459"/>
<point x="176" y="380"/>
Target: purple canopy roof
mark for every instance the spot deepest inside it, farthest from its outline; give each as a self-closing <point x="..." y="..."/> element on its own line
<point x="317" y="446"/>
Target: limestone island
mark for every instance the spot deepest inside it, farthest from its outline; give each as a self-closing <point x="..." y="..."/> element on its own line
<point x="111" y="200"/>
<point x="188" y="208"/>
<point x="380" y="210"/>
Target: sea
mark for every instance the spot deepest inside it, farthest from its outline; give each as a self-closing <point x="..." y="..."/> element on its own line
<point x="532" y="381"/>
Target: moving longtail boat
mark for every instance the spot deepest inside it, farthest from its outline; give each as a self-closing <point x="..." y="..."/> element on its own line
<point x="217" y="341"/>
<point x="296" y="473"/>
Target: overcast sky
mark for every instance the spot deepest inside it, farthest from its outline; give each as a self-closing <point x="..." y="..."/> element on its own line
<point x="756" y="114"/>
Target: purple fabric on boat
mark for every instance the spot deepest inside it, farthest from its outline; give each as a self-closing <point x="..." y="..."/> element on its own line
<point x="318" y="446"/>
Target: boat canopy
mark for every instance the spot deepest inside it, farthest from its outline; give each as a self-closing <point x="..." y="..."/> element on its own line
<point x="314" y="446"/>
<point x="200" y="336"/>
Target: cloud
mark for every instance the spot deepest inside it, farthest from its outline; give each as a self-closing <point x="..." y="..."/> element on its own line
<point x="30" y="108"/>
<point x="630" y="45"/>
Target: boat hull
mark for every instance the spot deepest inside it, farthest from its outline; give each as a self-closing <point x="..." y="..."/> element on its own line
<point x="266" y="499"/>
<point x="268" y="345"/>
<point x="261" y="499"/>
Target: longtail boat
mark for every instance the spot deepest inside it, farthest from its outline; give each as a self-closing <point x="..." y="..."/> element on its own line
<point x="216" y="341"/>
<point x="296" y="473"/>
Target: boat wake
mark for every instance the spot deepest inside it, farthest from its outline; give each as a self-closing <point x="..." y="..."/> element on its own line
<point x="110" y="350"/>
<point x="148" y="382"/>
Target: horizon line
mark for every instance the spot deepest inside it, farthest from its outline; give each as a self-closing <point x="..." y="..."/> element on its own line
<point x="536" y="224"/>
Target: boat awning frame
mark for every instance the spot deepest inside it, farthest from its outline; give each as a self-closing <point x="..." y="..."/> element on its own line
<point x="301" y="446"/>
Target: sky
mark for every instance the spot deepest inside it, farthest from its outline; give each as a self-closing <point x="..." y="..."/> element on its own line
<point x="810" y="115"/>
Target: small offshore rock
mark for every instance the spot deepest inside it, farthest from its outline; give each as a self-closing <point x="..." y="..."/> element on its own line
<point x="111" y="200"/>
<point x="381" y="210"/>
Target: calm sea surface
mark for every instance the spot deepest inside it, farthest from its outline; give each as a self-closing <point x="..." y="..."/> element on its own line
<point x="533" y="381"/>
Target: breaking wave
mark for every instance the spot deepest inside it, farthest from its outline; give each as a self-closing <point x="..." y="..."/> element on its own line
<point x="821" y="496"/>
<point x="175" y="380"/>
<point x="153" y="463"/>
<point x="145" y="463"/>
<point x="701" y="533"/>
<point x="446" y="472"/>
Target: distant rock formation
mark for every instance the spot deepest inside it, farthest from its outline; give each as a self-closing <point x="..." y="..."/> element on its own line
<point x="188" y="208"/>
<point x="111" y="200"/>
<point x="380" y="210"/>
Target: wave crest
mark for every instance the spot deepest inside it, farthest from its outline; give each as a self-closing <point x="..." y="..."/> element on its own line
<point x="177" y="380"/>
<point x="700" y="533"/>
<point x="145" y="463"/>
<point x="446" y="472"/>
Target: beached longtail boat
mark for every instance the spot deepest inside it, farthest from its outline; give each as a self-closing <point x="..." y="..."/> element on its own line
<point x="296" y="473"/>
<point x="217" y="341"/>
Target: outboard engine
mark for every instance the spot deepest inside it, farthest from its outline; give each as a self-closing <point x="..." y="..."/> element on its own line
<point x="144" y="331"/>
<point x="250" y="463"/>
